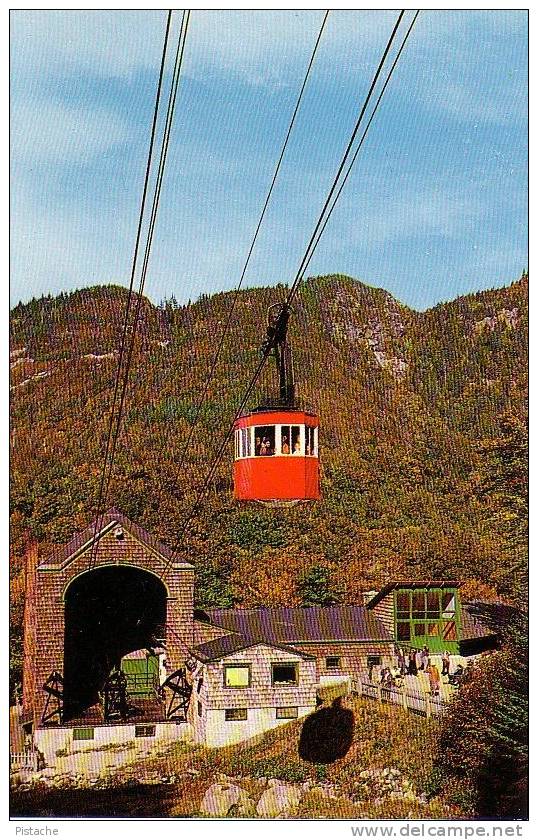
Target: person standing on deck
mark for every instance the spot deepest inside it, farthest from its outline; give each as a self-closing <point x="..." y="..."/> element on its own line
<point x="435" y="679"/>
<point x="446" y="664"/>
<point x="413" y="663"/>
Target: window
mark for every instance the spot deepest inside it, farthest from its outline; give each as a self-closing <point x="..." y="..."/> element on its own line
<point x="236" y="676"/>
<point x="332" y="662"/>
<point x="403" y="605"/>
<point x="310" y="440"/>
<point x="245" y="443"/>
<point x="419" y="604"/>
<point x="285" y="675"/>
<point x="84" y="733"/>
<point x="264" y="440"/>
<point x="199" y="709"/>
<point x="448" y="604"/>
<point x="144" y="731"/>
<point x="427" y="617"/>
<point x="373" y="660"/>
<point x="287" y="713"/>
<point x="235" y="714"/>
<point x="449" y="631"/>
<point x="404" y="631"/>
<point x="432" y="604"/>
<point x="290" y="440"/>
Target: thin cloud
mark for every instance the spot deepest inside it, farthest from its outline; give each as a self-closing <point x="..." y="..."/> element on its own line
<point x="56" y="133"/>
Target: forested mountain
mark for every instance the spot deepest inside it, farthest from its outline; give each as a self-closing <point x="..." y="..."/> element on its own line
<point x="423" y="437"/>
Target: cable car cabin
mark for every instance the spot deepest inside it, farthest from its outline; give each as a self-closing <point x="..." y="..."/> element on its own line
<point x="276" y="456"/>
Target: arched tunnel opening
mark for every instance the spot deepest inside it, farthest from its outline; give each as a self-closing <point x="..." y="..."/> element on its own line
<point x="109" y="612"/>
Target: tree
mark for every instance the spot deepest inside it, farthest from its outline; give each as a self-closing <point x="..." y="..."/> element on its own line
<point x="316" y="587"/>
<point x="504" y="484"/>
<point x="483" y="746"/>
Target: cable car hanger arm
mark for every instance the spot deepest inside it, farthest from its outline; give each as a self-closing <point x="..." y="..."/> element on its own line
<point x="276" y="343"/>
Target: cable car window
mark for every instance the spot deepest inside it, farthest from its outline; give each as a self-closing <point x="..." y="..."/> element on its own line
<point x="310" y="440"/>
<point x="264" y="440"/>
<point x="245" y="443"/>
<point x="290" y="440"/>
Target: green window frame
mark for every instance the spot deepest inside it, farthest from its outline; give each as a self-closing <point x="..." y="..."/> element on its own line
<point x="83" y="733"/>
<point x="429" y="616"/>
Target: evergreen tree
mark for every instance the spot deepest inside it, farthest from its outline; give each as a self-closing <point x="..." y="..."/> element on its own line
<point x="317" y="588"/>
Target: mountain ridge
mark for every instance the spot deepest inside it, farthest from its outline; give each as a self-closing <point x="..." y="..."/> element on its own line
<point x="408" y="400"/>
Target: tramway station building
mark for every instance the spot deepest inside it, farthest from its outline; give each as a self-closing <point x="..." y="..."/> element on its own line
<point x="114" y="649"/>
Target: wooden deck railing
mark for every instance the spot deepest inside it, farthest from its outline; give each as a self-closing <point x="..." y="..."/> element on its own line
<point x="27" y="760"/>
<point x="413" y="701"/>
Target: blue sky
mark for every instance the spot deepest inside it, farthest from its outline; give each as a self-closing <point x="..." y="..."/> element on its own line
<point x="436" y="205"/>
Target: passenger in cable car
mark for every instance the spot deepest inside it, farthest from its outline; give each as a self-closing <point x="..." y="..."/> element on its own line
<point x="285" y="445"/>
<point x="258" y="446"/>
<point x="297" y="448"/>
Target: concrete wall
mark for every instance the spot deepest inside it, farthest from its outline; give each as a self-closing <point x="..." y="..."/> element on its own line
<point x="218" y="732"/>
<point x="52" y="740"/>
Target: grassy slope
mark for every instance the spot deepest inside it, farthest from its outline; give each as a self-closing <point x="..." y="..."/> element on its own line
<point x="384" y="737"/>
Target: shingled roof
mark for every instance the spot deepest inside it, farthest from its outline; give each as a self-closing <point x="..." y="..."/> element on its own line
<point x="226" y="645"/>
<point x="84" y="539"/>
<point x="289" y="625"/>
<point x="480" y="619"/>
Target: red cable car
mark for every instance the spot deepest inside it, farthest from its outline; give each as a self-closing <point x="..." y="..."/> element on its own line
<point x="276" y="445"/>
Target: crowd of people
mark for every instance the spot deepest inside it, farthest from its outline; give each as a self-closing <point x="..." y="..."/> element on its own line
<point x="263" y="446"/>
<point x="410" y="663"/>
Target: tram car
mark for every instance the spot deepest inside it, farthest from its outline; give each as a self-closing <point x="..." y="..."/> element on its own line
<point x="276" y="445"/>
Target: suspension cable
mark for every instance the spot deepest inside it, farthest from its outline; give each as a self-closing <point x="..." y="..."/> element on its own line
<point x="98" y="518"/>
<point x="304" y="262"/>
<point x="301" y="269"/>
<point x="151" y="228"/>
<point x="235" y="298"/>
<point x="357" y="150"/>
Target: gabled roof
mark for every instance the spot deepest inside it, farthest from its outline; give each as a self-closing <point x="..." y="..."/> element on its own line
<point x="411" y="584"/>
<point x="233" y="643"/>
<point x="292" y="625"/>
<point x="85" y="538"/>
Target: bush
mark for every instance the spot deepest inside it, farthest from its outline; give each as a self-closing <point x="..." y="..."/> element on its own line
<point x="483" y="745"/>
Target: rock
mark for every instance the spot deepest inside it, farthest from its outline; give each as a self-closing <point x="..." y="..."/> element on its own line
<point x="223" y="800"/>
<point x="279" y="800"/>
